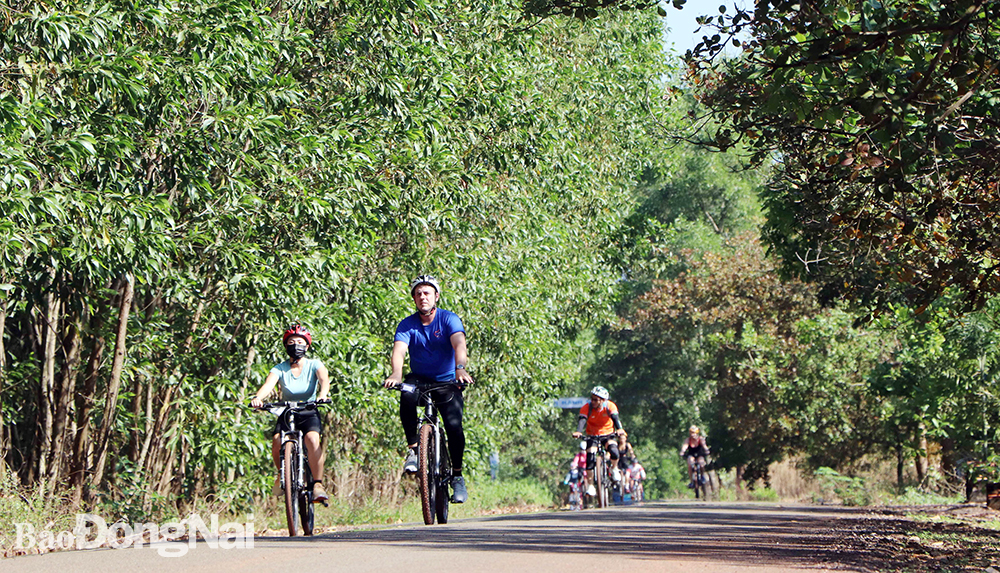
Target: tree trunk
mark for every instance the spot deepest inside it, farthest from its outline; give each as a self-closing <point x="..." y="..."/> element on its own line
<point x="135" y="438"/>
<point x="66" y="388"/>
<point x="84" y="405"/>
<point x="739" y="481"/>
<point x="49" y="332"/>
<point x="147" y="428"/>
<point x="111" y="402"/>
<point x="900" y="466"/>
<point x="3" y="377"/>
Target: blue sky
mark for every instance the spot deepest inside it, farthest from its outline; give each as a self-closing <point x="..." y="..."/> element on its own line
<point x="682" y="22"/>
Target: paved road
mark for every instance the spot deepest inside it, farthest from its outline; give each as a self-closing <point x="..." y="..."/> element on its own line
<point x="706" y="538"/>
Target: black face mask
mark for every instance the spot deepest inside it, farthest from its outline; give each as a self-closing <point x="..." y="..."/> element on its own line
<point x="296" y="351"/>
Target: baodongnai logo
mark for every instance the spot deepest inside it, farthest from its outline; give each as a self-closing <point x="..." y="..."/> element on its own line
<point x="92" y="531"/>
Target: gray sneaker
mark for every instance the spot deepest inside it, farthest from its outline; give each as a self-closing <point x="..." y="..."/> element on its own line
<point x="410" y="465"/>
<point x="458" y="487"/>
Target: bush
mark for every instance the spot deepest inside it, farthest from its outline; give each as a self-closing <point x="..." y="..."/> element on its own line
<point x="851" y="491"/>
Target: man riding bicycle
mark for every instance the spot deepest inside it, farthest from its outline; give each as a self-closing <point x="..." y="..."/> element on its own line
<point x="300" y="379"/>
<point x="600" y="420"/>
<point x="435" y="341"/>
<point x="694" y="450"/>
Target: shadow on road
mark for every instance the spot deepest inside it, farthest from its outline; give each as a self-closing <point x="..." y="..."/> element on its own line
<point x="799" y="536"/>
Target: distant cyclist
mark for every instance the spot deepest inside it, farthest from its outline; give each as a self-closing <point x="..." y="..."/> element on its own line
<point x="638" y="476"/>
<point x="578" y="464"/>
<point x="694" y="450"/>
<point x="435" y="341"/>
<point x="627" y="454"/>
<point x="599" y="418"/>
<point x="575" y="478"/>
<point x="300" y="379"/>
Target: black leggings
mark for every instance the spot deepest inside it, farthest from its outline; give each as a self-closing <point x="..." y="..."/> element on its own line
<point x="449" y="403"/>
<point x="610" y="443"/>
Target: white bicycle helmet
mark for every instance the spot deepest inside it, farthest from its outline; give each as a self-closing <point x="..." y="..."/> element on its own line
<point x="583" y="444"/>
<point x="425" y="280"/>
<point x="601" y="392"/>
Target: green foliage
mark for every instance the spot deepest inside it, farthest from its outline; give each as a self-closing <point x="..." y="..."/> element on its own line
<point x="886" y="187"/>
<point x="851" y="491"/>
<point x="250" y="165"/>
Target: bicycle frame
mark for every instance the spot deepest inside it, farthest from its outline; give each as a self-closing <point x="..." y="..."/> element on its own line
<point x="429" y="416"/>
<point x="302" y="462"/>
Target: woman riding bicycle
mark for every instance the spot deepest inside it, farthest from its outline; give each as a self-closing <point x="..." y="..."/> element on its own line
<point x="600" y="420"/>
<point x="694" y="450"/>
<point x="300" y="379"/>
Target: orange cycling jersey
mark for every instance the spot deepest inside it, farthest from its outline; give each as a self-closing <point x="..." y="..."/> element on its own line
<point x="599" y="423"/>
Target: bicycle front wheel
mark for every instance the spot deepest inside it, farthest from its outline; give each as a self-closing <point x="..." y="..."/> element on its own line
<point x="600" y="481"/>
<point x="307" y="514"/>
<point x="699" y="484"/>
<point x="289" y="468"/>
<point x="427" y="473"/>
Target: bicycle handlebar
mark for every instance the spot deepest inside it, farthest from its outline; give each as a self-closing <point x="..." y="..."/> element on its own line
<point x="296" y="405"/>
<point x="427" y="386"/>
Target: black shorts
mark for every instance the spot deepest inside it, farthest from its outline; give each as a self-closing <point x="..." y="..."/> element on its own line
<point x="306" y="421"/>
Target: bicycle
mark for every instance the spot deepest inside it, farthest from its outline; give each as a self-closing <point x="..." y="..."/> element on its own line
<point x="638" y="493"/>
<point x="602" y="477"/>
<point x="576" y="490"/>
<point x="433" y="463"/>
<point x="295" y="476"/>
<point x="701" y="480"/>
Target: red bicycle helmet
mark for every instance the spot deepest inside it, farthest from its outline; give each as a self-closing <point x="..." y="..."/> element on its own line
<point x="297" y="330"/>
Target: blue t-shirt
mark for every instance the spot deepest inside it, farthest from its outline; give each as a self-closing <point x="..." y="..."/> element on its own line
<point x="299" y="388"/>
<point x="431" y="352"/>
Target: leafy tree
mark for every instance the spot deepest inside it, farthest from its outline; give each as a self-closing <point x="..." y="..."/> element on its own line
<point x="881" y="118"/>
<point x="729" y="344"/>
<point x="940" y="384"/>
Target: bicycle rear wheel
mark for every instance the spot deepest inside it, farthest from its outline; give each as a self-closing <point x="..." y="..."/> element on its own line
<point x="426" y="474"/>
<point x="289" y="468"/>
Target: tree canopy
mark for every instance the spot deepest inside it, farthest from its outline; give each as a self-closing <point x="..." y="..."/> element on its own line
<point x="881" y="118"/>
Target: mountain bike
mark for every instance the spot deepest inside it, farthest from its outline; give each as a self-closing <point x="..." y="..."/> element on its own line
<point x="433" y="462"/>
<point x="295" y="476"/>
<point x="702" y="483"/>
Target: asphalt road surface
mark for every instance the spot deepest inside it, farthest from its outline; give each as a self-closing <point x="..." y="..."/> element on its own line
<point x="664" y="536"/>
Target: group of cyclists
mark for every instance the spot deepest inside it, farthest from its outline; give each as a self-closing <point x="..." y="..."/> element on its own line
<point x="435" y="341"/>
<point x="600" y="426"/>
<point x="433" y="337"/>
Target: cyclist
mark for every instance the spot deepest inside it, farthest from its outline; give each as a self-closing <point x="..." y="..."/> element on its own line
<point x="435" y="341"/>
<point x="694" y="450"/>
<point x="625" y="465"/>
<point x="638" y="475"/>
<point x="300" y="379"/>
<point x="599" y="418"/>
<point x="577" y="466"/>
<point x="574" y="479"/>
